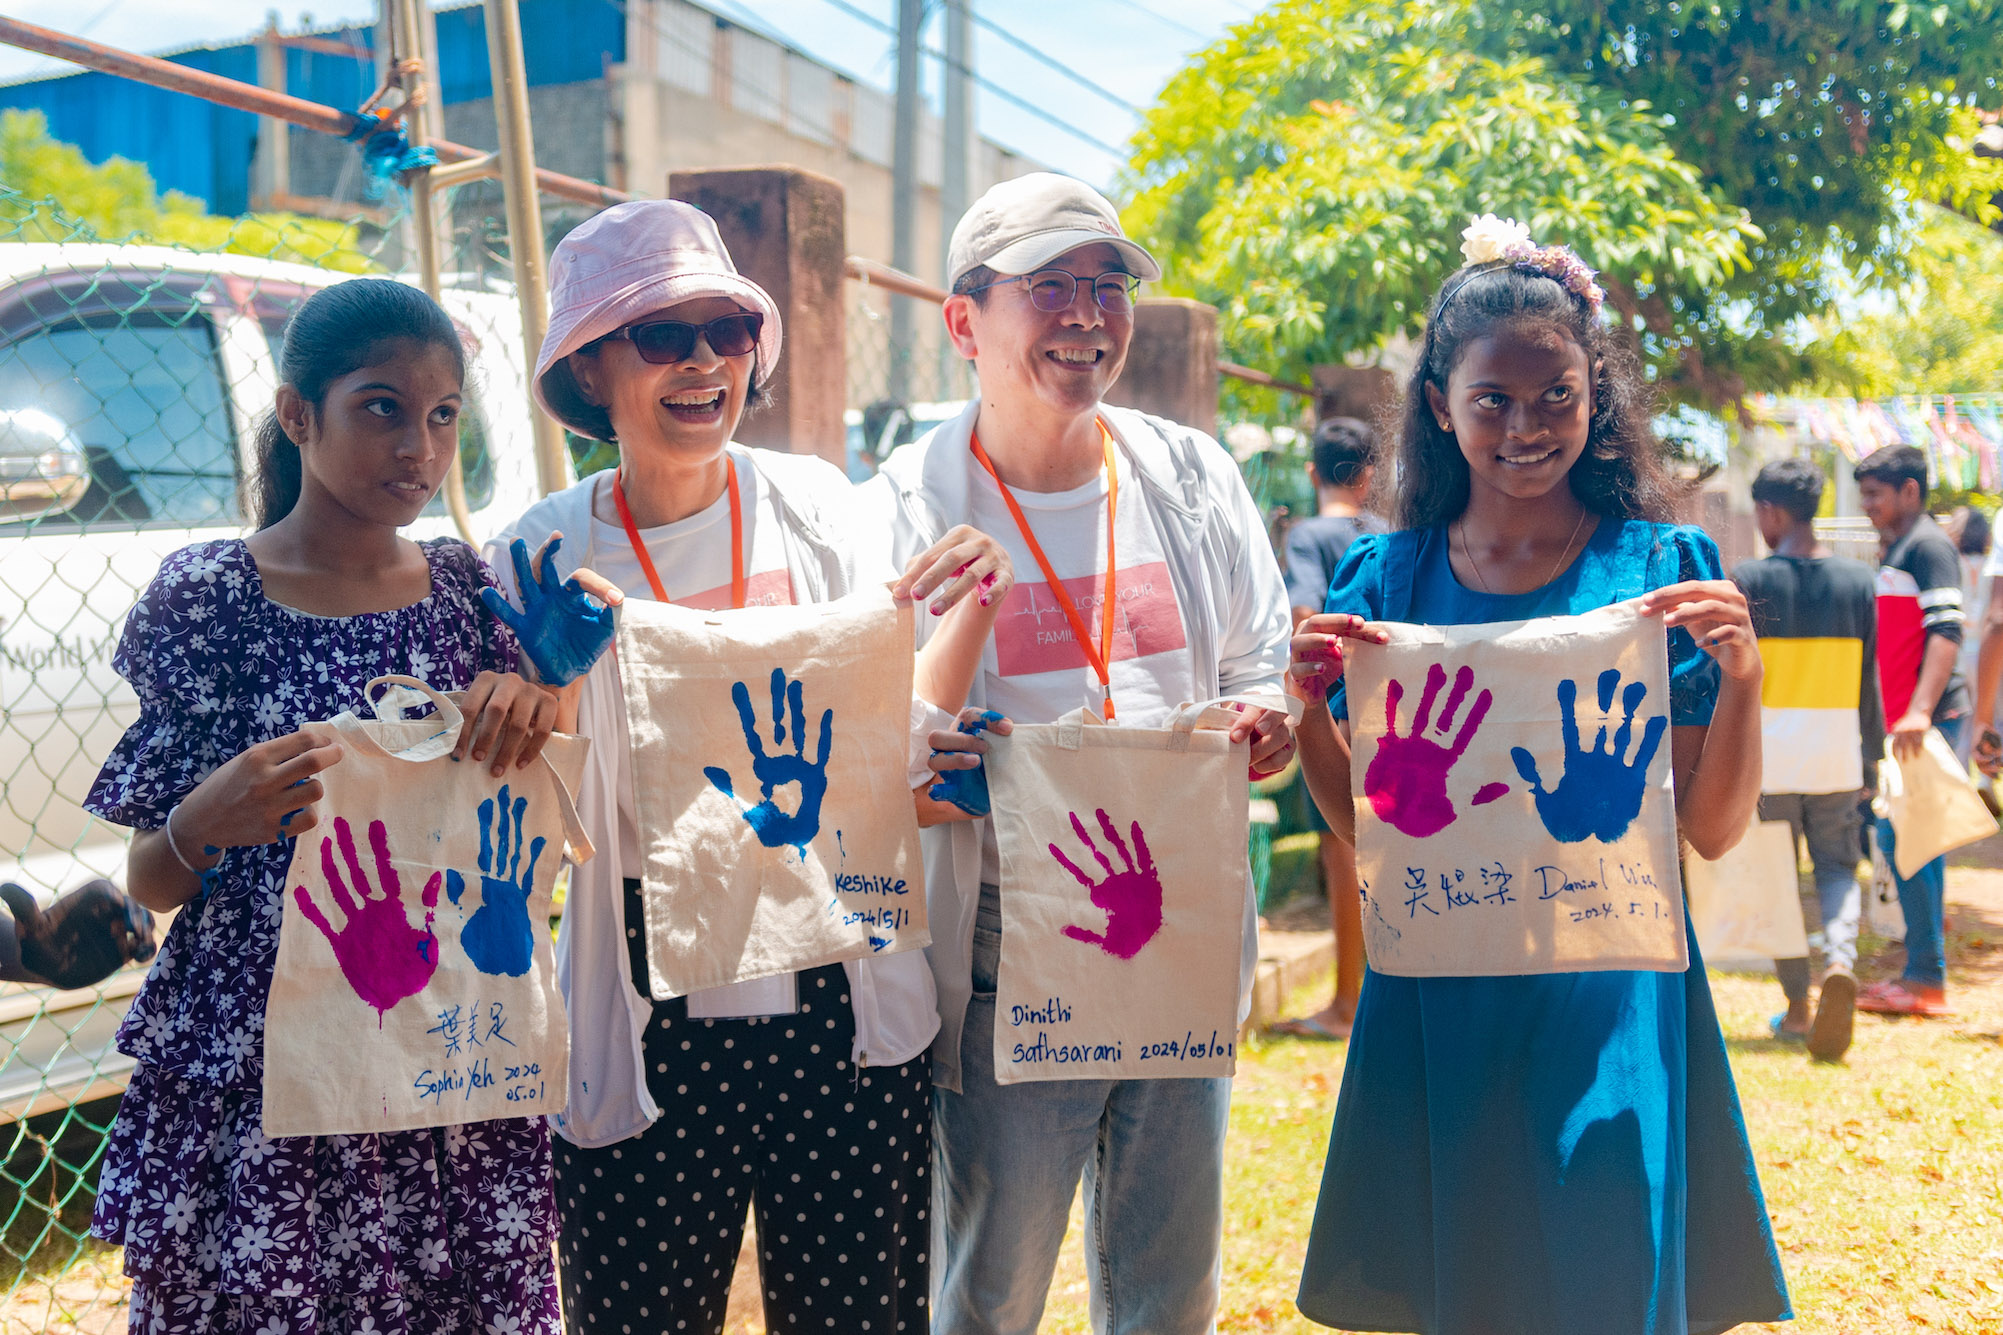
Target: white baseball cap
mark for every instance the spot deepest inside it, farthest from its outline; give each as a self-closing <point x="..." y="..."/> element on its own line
<point x="1021" y="225"/>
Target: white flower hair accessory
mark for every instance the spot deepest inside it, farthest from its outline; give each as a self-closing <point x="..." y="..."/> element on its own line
<point x="1488" y="239"/>
<point x="1490" y="242"/>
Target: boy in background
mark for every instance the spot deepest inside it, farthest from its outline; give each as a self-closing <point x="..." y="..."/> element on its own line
<point x="1822" y="729"/>
<point x="1919" y="639"/>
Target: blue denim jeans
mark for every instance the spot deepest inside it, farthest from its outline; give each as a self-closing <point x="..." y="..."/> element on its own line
<point x="1009" y="1158"/>
<point x="1923" y="899"/>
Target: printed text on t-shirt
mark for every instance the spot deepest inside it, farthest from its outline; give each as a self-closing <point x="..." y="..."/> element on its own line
<point x="1033" y="635"/>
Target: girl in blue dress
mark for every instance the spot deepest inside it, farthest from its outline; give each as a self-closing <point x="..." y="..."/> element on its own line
<point x="1560" y="1154"/>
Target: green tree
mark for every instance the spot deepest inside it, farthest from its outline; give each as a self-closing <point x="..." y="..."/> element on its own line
<point x="1311" y="174"/>
<point x="117" y="200"/>
<point x="1938" y="332"/>
<point x="1829" y="122"/>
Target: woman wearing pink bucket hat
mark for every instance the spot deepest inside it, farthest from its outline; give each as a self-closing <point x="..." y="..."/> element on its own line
<point x="807" y="1096"/>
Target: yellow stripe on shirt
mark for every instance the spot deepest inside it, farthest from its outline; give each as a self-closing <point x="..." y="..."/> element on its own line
<point x="1812" y="673"/>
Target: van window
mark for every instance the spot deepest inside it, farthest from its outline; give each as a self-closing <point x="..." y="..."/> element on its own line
<point x="146" y="399"/>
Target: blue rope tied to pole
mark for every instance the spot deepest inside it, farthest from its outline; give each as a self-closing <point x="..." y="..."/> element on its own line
<point x="387" y="153"/>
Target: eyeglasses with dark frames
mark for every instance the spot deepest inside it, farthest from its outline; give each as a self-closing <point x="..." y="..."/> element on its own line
<point x="667" y="342"/>
<point x="1053" y="290"/>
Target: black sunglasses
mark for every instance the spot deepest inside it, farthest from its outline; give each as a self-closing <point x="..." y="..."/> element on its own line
<point x="666" y="342"/>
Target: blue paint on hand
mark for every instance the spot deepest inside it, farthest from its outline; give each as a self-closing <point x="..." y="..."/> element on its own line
<point x="498" y="937"/>
<point x="561" y="628"/>
<point x="966" y="789"/>
<point x="1601" y="791"/>
<point x="775" y="827"/>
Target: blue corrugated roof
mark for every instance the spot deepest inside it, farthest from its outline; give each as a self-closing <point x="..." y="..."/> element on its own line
<point x="205" y="150"/>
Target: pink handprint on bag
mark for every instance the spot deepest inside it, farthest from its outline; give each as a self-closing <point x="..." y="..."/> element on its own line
<point x="1407" y="779"/>
<point x="381" y="955"/>
<point x="1131" y="897"/>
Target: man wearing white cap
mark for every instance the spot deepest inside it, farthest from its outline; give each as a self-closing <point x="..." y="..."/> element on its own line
<point x="1043" y="282"/>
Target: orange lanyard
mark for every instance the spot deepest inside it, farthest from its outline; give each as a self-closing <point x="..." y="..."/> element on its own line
<point x="647" y="562"/>
<point x="1101" y="657"/>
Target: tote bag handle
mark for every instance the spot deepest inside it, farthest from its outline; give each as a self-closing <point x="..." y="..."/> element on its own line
<point x="1214" y="713"/>
<point x="405" y="693"/>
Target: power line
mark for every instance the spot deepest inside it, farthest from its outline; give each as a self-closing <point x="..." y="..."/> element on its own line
<point x="1163" y="19"/>
<point x="1036" y="54"/>
<point x="993" y="87"/>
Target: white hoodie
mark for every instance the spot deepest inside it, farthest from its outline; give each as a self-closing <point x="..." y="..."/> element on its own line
<point x="1227" y="584"/>
<point x="895" y="1007"/>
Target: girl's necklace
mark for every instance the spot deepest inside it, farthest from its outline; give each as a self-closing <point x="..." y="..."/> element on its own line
<point x="1556" y="565"/>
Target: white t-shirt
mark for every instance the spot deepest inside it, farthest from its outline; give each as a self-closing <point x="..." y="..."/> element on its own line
<point x="692" y="557"/>
<point x="1033" y="667"/>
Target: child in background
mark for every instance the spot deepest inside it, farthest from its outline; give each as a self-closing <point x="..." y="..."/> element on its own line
<point x="1558" y="1154"/>
<point x="1920" y="629"/>
<point x="1822" y="729"/>
<point x="235" y="650"/>
<point x="1345" y="453"/>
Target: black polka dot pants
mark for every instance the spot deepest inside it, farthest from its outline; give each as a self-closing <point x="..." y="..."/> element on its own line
<point x="768" y="1114"/>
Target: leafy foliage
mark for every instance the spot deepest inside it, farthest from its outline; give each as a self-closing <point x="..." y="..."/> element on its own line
<point x="1311" y="175"/>
<point x="1939" y="332"/>
<point x="116" y="200"/>
<point x="1828" y="122"/>
<point x="1735" y="166"/>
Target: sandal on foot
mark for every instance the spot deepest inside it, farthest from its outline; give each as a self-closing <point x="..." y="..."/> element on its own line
<point x="1835" y="1016"/>
<point x="1777" y="1026"/>
<point x="1903" y="998"/>
<point x="1310" y="1028"/>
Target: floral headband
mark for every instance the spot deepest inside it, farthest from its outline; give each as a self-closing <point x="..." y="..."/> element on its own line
<point x="1491" y="243"/>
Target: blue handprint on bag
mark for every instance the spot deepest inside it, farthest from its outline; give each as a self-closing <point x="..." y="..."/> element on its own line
<point x="774" y="827"/>
<point x="498" y="937"/>
<point x="562" y="628"/>
<point x="1600" y="794"/>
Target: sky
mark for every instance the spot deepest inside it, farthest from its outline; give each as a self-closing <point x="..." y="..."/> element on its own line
<point x="1129" y="48"/>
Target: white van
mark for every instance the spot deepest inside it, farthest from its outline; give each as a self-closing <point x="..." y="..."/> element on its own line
<point x="151" y="368"/>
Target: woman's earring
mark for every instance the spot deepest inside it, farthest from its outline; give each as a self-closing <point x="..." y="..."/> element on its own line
<point x="1446" y="426"/>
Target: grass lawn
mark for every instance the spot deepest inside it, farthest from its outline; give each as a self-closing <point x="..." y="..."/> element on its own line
<point x="1884" y="1175"/>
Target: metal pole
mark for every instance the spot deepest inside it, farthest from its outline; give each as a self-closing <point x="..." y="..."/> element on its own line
<point x="402" y="43"/>
<point x="956" y="167"/>
<point x="274" y="136"/>
<point x="249" y="97"/>
<point x="904" y="193"/>
<point x="525" y="239"/>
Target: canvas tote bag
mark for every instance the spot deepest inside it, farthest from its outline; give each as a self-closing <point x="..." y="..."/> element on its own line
<point x="1746" y="906"/>
<point x="415" y="985"/>
<point x="1514" y="812"/>
<point x="769" y="749"/>
<point x="1123" y="883"/>
<point x="1931" y="803"/>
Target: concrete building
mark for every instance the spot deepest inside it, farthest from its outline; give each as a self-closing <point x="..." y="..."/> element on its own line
<point x="621" y="91"/>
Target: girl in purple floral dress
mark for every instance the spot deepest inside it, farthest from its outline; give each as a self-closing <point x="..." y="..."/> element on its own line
<point x="234" y="650"/>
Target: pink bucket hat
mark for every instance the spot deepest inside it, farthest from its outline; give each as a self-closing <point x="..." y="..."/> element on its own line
<point x="625" y="264"/>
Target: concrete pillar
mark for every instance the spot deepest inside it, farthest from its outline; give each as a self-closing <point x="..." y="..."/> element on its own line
<point x="1171" y="366"/>
<point x="784" y="227"/>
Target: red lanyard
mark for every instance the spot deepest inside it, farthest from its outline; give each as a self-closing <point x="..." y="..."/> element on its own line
<point x="647" y="562"/>
<point x="1101" y="657"/>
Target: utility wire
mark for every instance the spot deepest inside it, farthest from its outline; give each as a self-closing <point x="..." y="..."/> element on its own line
<point x="1038" y="55"/>
<point x="1162" y="19"/>
<point x="995" y="88"/>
